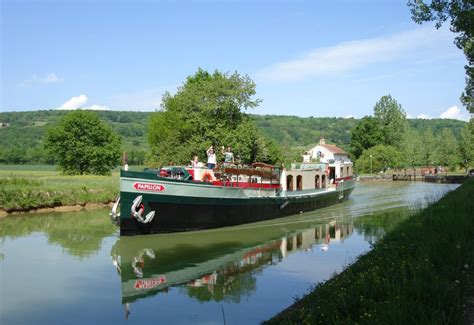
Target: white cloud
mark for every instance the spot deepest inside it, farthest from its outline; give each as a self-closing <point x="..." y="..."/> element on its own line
<point x="349" y="116"/>
<point x="453" y="112"/>
<point x="78" y="102"/>
<point x="96" y="108"/>
<point x="48" y="78"/>
<point x="74" y="103"/>
<point x="423" y="117"/>
<point x="351" y="55"/>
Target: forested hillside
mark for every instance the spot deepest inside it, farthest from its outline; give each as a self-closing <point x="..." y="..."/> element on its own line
<point x="22" y="141"/>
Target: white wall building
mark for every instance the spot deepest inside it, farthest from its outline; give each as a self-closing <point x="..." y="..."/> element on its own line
<point x="327" y="152"/>
<point x="339" y="163"/>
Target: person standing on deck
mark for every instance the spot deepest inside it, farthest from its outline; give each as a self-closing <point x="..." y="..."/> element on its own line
<point x="228" y="155"/>
<point x="195" y="162"/>
<point x="211" y="158"/>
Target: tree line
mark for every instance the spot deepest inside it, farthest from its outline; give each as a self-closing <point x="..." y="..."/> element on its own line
<point x="22" y="141"/>
<point x="386" y="140"/>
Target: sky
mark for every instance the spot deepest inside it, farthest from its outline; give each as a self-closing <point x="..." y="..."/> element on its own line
<point x="307" y="58"/>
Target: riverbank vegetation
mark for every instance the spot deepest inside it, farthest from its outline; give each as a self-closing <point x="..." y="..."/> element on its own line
<point x="23" y="190"/>
<point x="419" y="272"/>
<point x="82" y="144"/>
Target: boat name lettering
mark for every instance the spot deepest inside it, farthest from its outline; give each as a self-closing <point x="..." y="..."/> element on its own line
<point x="149" y="283"/>
<point x="149" y="187"/>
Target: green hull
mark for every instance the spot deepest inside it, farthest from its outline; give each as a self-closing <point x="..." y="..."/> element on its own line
<point x="185" y="205"/>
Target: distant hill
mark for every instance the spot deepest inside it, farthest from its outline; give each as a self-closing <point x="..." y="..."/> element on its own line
<point x="22" y="140"/>
<point x="306" y="131"/>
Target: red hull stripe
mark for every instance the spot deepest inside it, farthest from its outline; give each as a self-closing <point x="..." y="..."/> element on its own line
<point x="245" y="184"/>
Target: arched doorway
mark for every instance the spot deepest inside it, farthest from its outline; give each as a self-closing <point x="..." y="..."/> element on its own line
<point x="323" y="181"/>
<point x="289" y="183"/>
<point x="316" y="182"/>
<point x="299" y="183"/>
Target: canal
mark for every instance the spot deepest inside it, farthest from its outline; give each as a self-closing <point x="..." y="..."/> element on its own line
<point x="74" y="268"/>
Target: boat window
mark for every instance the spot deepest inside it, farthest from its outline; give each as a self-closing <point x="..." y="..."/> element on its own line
<point x="299" y="182"/>
<point x="289" y="183"/>
<point x="348" y="171"/>
<point x="323" y="181"/>
<point x="316" y="182"/>
<point x="342" y="172"/>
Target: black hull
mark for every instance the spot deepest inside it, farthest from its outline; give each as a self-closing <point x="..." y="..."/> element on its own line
<point x="173" y="217"/>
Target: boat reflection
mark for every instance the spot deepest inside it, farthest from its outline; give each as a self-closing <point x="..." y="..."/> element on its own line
<point x="218" y="265"/>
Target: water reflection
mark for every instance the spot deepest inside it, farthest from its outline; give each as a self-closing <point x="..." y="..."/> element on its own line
<point x="79" y="233"/>
<point x="209" y="266"/>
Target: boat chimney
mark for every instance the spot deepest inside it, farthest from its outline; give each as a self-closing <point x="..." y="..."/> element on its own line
<point x="322" y="141"/>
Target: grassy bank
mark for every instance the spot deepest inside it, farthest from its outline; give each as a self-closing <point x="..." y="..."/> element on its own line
<point x="419" y="273"/>
<point x="23" y="190"/>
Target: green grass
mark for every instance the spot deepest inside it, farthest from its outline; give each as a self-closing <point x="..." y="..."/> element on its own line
<point x="22" y="190"/>
<point x="27" y="167"/>
<point x="418" y="273"/>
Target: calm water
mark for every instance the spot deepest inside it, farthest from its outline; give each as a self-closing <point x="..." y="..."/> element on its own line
<point x="74" y="268"/>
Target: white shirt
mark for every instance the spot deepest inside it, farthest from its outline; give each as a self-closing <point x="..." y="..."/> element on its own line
<point x="211" y="158"/>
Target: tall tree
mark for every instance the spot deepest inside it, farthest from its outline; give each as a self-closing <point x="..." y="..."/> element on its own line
<point x="461" y="14"/>
<point x="365" y="135"/>
<point x="412" y="155"/>
<point x="379" y="158"/>
<point x="82" y="144"/>
<point x="392" y="120"/>
<point x="466" y="147"/>
<point x="447" y="153"/>
<point x="208" y="109"/>
<point x="427" y="148"/>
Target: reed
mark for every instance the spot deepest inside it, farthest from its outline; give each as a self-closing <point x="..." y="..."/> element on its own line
<point x="420" y="272"/>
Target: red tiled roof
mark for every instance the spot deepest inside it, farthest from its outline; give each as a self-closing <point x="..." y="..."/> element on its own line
<point x="333" y="149"/>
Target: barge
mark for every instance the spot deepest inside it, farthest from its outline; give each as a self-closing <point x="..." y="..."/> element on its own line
<point x="178" y="198"/>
